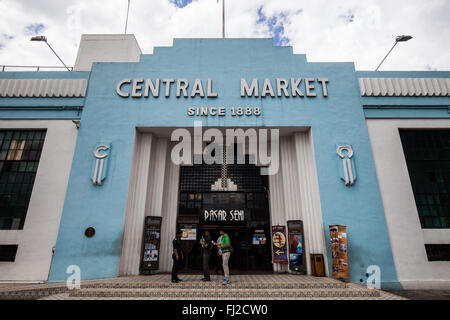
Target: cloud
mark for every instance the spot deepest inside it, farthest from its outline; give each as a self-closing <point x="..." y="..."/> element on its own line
<point x="34" y="29"/>
<point x="275" y="24"/>
<point x="328" y="31"/>
<point x="181" y="3"/>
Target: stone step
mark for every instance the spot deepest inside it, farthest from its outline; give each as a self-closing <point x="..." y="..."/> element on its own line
<point x="31" y="294"/>
<point x="216" y="284"/>
<point x="223" y="293"/>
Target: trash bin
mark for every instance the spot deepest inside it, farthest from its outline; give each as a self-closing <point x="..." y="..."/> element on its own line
<point x="317" y="265"/>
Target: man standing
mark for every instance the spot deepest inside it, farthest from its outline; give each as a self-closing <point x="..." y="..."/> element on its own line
<point x="219" y="255"/>
<point x="225" y="246"/>
<point x="177" y="256"/>
<point x="206" y="242"/>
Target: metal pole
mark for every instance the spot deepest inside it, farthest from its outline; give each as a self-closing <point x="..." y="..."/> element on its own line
<point x="386" y="55"/>
<point x="223" y="19"/>
<point x="128" y="11"/>
<point x="57" y="56"/>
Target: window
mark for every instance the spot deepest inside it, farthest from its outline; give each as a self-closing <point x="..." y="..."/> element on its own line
<point x="8" y="252"/>
<point x="427" y="154"/>
<point x="438" y="252"/>
<point x="190" y="201"/>
<point x="20" y="151"/>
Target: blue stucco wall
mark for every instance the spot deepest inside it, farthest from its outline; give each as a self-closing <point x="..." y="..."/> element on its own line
<point x="338" y="118"/>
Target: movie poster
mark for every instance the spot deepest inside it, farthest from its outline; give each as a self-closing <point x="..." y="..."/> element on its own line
<point x="279" y="245"/>
<point x="295" y="249"/>
<point x="339" y="251"/>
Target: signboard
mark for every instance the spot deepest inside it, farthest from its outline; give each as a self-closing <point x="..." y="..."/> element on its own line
<point x="152" y="239"/>
<point x="339" y="251"/>
<point x="189" y="233"/>
<point x="279" y="248"/>
<point x="223" y="215"/>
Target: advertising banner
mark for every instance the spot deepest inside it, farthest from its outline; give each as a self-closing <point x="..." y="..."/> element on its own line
<point x="279" y="245"/>
<point x="295" y="249"/>
<point x="189" y="232"/>
<point x="339" y="251"/>
<point x="152" y="236"/>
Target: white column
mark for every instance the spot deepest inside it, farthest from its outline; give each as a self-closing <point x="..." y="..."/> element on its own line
<point x="156" y="183"/>
<point x="136" y="203"/>
<point x="170" y="207"/>
<point x="309" y="195"/>
<point x="290" y="179"/>
<point x="277" y="211"/>
<point x="292" y="190"/>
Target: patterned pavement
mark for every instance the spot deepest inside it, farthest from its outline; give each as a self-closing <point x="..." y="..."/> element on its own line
<point x="242" y="287"/>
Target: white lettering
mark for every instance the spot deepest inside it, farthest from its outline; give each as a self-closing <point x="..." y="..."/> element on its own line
<point x="119" y="88"/>
<point x="197" y="89"/>
<point x="267" y="88"/>
<point x="252" y="91"/>
<point x="153" y="88"/>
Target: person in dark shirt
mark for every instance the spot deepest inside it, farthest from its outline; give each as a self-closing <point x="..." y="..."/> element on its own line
<point x="177" y="256"/>
<point x="207" y="245"/>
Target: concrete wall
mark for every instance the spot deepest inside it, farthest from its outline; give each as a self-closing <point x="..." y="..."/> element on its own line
<point x="106" y="48"/>
<point x="414" y="271"/>
<point x="38" y="236"/>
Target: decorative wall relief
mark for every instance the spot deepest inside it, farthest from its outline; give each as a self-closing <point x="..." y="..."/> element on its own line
<point x="347" y="165"/>
<point x="100" y="164"/>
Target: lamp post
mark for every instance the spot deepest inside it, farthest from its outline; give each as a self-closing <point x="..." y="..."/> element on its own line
<point x="44" y="39"/>
<point x="398" y="39"/>
<point x="128" y="12"/>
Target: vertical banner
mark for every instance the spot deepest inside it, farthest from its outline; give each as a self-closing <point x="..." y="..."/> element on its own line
<point x="279" y="249"/>
<point x="339" y="250"/>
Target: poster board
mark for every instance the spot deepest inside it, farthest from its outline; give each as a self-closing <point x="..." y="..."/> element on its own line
<point x="297" y="259"/>
<point x="279" y="245"/>
<point x="339" y="251"/>
<point x="189" y="232"/>
<point x="151" y="242"/>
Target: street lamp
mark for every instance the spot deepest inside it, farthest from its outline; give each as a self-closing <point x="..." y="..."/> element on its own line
<point x="44" y="39"/>
<point x="398" y="39"/>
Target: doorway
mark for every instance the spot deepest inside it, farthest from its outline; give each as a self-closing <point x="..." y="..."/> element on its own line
<point x="243" y="214"/>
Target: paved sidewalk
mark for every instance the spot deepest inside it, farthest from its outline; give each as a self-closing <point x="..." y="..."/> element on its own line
<point x="423" y="294"/>
<point x="245" y="287"/>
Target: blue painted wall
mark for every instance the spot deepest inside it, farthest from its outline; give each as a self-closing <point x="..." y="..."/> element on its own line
<point x="339" y="118"/>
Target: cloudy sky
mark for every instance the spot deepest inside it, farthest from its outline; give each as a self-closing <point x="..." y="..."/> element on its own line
<point x="326" y="30"/>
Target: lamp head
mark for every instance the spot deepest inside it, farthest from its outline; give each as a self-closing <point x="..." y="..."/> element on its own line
<point x="403" y="38"/>
<point x="39" y="38"/>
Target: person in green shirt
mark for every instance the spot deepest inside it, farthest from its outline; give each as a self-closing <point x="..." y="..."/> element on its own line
<point x="225" y="246"/>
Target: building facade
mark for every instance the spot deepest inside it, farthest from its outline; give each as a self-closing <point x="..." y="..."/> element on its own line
<point x="87" y="155"/>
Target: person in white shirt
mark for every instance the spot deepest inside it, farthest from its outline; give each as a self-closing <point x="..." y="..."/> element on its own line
<point x="219" y="256"/>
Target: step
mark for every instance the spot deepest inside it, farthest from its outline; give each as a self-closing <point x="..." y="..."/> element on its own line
<point x="31" y="294"/>
<point x="216" y="284"/>
<point x="224" y="293"/>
